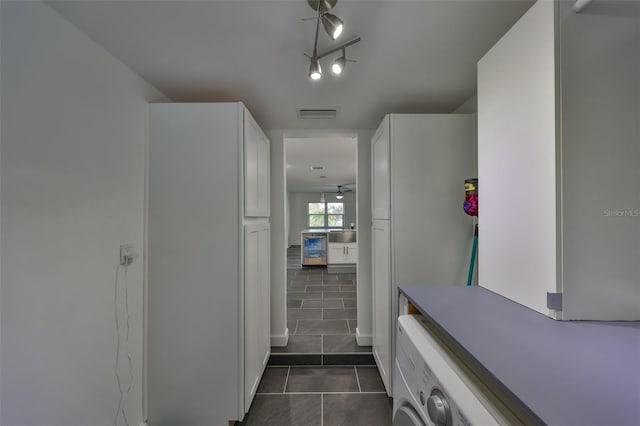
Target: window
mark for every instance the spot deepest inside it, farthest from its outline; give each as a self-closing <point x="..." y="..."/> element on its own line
<point x="326" y="215"/>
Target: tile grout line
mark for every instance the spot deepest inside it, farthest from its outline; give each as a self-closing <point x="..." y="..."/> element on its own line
<point x="357" y="379"/>
<point x="286" y="380"/>
<point x="326" y="393"/>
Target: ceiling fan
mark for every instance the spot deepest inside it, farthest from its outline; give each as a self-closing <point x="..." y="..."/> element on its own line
<point x="341" y="192"/>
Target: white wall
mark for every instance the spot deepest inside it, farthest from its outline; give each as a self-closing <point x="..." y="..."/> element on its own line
<point x="517" y="161"/>
<point x="364" y="330"/>
<point x="73" y="155"/>
<point x="470" y="106"/>
<point x="600" y="141"/>
<point x="279" y="230"/>
<point x="298" y="202"/>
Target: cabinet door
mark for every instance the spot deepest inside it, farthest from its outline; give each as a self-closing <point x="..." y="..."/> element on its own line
<point x="252" y="330"/>
<point x="256" y="169"/>
<point x="336" y="253"/>
<point x="257" y="306"/>
<point x="264" y="174"/>
<point x="264" y="303"/>
<point x="381" y="281"/>
<point x="351" y="253"/>
<point x="380" y="177"/>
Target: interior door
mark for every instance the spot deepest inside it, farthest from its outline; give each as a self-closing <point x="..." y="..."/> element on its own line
<point x="381" y="278"/>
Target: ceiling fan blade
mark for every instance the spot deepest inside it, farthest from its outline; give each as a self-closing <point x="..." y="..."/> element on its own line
<point x="342" y="191"/>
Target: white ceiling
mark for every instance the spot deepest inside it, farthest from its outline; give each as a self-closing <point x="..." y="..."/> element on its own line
<point x="336" y="154"/>
<point x="415" y="56"/>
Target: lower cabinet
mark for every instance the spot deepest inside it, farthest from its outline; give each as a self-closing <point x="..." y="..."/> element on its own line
<point x="382" y="300"/>
<point x="343" y="253"/>
<point x="257" y="318"/>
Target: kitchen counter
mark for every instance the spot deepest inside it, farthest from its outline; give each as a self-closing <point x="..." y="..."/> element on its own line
<point x="324" y="230"/>
<point x="315" y="231"/>
<point x="560" y="372"/>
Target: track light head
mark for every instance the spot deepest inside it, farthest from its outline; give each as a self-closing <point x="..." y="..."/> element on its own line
<point x="339" y="64"/>
<point x="333" y="25"/>
<point x="315" y="71"/>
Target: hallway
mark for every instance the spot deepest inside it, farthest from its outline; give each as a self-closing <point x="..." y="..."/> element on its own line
<point x="321" y="317"/>
<point x="322" y="377"/>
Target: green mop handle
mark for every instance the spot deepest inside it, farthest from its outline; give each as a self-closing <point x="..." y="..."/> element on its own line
<point x="472" y="262"/>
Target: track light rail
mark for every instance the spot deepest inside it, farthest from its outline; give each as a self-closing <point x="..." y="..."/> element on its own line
<point x="337" y="48"/>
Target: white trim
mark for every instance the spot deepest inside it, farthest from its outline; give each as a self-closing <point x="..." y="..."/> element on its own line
<point x="145" y="278"/>
<point x="280" y="340"/>
<point x="363" y="339"/>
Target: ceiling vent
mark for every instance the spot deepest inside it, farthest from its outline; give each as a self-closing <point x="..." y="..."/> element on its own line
<point x="317" y="114"/>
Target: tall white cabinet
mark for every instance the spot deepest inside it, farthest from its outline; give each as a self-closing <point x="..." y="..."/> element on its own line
<point x="208" y="262"/>
<point x="558" y="151"/>
<point x="420" y="234"/>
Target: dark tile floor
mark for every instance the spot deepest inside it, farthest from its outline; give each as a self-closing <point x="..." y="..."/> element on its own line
<point x="339" y="385"/>
<point x="321" y="310"/>
<point x="327" y="396"/>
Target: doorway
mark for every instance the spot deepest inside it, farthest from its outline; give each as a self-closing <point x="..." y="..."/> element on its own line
<point x="321" y="197"/>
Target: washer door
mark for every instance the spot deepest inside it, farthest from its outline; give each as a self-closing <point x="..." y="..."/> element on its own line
<point x="407" y="416"/>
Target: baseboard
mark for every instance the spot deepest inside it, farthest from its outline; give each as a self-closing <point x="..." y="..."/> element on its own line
<point x="363" y="339"/>
<point x="341" y="269"/>
<point x="280" y="340"/>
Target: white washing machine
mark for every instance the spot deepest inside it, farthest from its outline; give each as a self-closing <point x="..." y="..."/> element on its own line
<point x="432" y="387"/>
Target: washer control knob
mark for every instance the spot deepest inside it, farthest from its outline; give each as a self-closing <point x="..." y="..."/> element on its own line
<point x="438" y="408"/>
<point x="422" y="398"/>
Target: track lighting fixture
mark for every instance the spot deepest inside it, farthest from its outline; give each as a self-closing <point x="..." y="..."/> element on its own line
<point x="315" y="70"/>
<point x="334" y="27"/>
<point x="332" y="24"/>
<point x="339" y="64"/>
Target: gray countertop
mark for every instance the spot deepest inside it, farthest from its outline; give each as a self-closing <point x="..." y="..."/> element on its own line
<point x="563" y="372"/>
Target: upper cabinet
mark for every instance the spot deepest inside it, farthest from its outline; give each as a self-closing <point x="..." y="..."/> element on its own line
<point x="517" y="160"/>
<point x="256" y="168"/>
<point x="380" y="178"/>
<point x="558" y="151"/>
